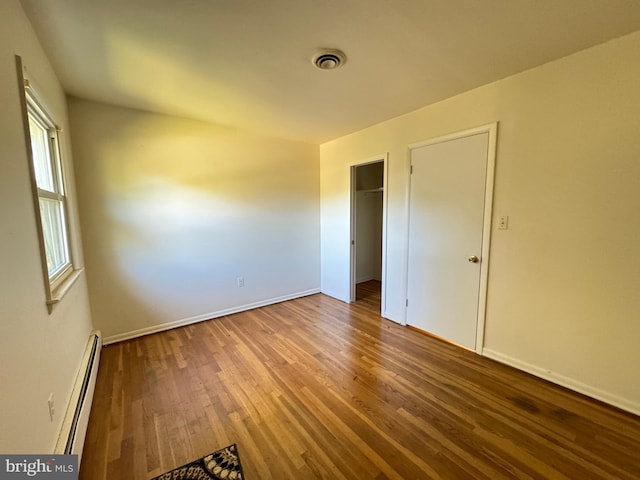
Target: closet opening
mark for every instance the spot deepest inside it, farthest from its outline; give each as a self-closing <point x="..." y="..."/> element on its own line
<point x="367" y="227"/>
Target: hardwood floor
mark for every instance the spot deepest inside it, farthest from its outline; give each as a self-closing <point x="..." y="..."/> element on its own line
<point x="315" y="388"/>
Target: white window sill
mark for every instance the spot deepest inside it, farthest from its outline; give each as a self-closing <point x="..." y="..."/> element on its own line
<point x="62" y="289"/>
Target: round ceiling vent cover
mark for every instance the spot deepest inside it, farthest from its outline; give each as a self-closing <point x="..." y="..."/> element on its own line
<point x="329" y="59"/>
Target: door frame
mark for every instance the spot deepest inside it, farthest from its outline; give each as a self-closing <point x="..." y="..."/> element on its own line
<point x="384" y="158"/>
<point x="492" y="130"/>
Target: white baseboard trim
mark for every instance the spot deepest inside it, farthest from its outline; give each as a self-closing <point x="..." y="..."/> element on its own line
<point x="120" y="337"/>
<point x="335" y="295"/>
<point x="570" y="383"/>
<point x="366" y="278"/>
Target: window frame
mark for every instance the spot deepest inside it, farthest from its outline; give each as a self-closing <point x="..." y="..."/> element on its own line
<point x="57" y="281"/>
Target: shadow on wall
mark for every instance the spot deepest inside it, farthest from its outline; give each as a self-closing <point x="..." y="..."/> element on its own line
<point x="174" y="211"/>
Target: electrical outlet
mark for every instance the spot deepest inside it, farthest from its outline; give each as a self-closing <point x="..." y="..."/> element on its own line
<point x="52" y="407"/>
<point x="240" y="281"/>
<point x="503" y="222"/>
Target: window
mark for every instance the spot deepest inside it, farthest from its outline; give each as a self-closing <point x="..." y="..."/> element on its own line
<point x="49" y="199"/>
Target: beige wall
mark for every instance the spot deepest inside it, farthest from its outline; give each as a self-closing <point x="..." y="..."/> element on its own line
<point x="174" y="210"/>
<point x="39" y="353"/>
<point x="563" y="279"/>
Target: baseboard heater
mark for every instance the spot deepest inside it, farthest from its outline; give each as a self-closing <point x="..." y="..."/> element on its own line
<point x="76" y="420"/>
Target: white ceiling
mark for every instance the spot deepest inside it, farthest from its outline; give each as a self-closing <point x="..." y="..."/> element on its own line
<point x="246" y="63"/>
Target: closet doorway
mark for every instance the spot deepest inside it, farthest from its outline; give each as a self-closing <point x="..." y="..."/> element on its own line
<point x="367" y="231"/>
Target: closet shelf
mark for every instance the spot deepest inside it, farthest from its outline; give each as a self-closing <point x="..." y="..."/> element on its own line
<point x="372" y="190"/>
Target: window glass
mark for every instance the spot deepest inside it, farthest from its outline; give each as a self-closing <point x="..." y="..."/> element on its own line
<point x="41" y="149"/>
<point x="55" y="237"/>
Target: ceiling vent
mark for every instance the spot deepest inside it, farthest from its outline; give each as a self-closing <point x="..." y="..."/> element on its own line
<point x="329" y="59"/>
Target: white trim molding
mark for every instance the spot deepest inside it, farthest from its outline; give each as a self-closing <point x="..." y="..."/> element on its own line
<point x="121" y="337"/>
<point x="564" y="381"/>
<point x="384" y="158"/>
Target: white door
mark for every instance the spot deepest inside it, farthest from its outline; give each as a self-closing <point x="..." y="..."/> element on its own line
<point x="445" y="237"/>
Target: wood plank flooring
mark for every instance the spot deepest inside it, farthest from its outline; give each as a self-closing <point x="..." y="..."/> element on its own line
<point x="314" y="388"/>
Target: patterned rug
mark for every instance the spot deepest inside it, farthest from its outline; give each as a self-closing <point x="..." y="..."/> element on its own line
<point x="223" y="464"/>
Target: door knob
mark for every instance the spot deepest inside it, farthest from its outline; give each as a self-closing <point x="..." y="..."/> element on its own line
<point x="473" y="259"/>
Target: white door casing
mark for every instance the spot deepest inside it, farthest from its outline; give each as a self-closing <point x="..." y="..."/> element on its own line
<point x="384" y="158"/>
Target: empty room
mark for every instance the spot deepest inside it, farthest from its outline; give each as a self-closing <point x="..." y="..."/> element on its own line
<point x="381" y="239"/>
